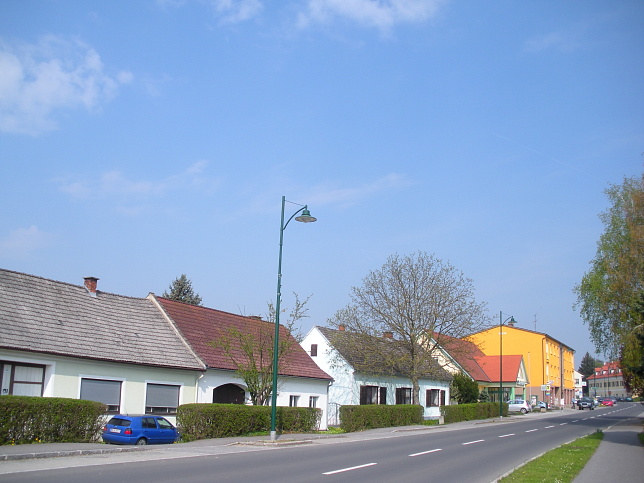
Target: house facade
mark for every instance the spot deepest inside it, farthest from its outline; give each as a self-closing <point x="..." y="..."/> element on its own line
<point x="136" y="355"/>
<point x="301" y="382"/>
<point x="549" y="363"/>
<point x="352" y="387"/>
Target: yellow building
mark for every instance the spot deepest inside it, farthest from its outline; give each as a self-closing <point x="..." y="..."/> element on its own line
<point x="550" y="364"/>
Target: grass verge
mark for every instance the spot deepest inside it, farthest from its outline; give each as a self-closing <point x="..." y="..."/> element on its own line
<point x="566" y="461"/>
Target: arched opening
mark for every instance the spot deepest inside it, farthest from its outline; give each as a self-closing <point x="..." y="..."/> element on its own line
<point x="228" y="394"/>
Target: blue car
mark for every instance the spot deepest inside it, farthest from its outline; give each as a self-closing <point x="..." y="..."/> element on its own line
<point x="140" y="430"/>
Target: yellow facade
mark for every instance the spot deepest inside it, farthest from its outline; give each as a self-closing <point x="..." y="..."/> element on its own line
<point x="547" y="360"/>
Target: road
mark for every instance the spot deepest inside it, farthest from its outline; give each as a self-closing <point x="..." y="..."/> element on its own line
<point x="481" y="453"/>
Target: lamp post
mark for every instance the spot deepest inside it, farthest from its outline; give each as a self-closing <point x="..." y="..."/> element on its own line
<point x="501" y="322"/>
<point x="305" y="217"/>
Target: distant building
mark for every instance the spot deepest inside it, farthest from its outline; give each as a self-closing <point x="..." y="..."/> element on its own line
<point x="607" y="381"/>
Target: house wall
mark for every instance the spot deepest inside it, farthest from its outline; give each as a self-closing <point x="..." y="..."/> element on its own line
<point x="545" y="359"/>
<point x="287" y="386"/>
<point x="63" y="378"/>
<point x="345" y="388"/>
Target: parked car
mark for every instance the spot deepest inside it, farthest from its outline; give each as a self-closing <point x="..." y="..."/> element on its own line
<point x="140" y="430"/>
<point x="541" y="405"/>
<point x="608" y="402"/>
<point x="628" y="399"/>
<point x="585" y="403"/>
<point x="517" y="405"/>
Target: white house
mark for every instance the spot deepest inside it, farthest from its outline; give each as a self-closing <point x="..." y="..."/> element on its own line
<point x="136" y="355"/>
<point x="352" y="387"/>
<point x="63" y="340"/>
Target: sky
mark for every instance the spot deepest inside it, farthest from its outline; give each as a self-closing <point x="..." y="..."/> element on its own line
<point x="144" y="140"/>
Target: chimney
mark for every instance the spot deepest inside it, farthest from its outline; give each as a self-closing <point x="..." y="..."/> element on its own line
<point x="388" y="335"/>
<point x="341" y="328"/>
<point x="90" y="285"/>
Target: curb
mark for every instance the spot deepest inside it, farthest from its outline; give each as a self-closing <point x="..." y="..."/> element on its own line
<point x="57" y="454"/>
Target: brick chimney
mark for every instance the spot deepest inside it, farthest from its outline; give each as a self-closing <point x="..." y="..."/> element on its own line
<point x="90" y="285"/>
<point x="388" y="335"/>
<point x="341" y="328"/>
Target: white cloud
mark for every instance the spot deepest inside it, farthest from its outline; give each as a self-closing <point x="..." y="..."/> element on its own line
<point x="36" y="81"/>
<point x="234" y="11"/>
<point x="118" y="186"/>
<point x="381" y="14"/>
<point x="329" y="195"/>
<point x="21" y="242"/>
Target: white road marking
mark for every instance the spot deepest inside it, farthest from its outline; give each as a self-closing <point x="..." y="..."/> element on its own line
<point x="562" y="424"/>
<point x="348" y="469"/>
<point x="426" y="452"/>
<point x="531" y="430"/>
<point x="547" y="427"/>
<point x="506" y="435"/>
<point x="473" y="442"/>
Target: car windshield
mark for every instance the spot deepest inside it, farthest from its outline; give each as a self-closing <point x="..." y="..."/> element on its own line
<point x="164" y="423"/>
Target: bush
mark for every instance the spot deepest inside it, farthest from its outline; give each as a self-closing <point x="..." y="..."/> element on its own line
<point x="468" y="412"/>
<point x="205" y="421"/>
<point x="359" y="418"/>
<point x="25" y="419"/>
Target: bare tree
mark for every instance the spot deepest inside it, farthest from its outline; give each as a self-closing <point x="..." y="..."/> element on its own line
<point x="251" y="348"/>
<point x="414" y="300"/>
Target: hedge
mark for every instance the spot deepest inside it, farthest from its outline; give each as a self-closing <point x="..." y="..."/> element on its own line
<point x="468" y="412"/>
<point x="359" y="418"/>
<point x="205" y="421"/>
<point x="26" y="419"/>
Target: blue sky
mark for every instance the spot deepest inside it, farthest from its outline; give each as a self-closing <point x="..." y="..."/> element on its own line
<point x="143" y="140"/>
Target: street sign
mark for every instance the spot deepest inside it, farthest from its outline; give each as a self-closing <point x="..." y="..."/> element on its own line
<point x="545" y="387"/>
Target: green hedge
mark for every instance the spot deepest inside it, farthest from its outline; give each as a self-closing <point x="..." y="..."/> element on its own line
<point x="359" y="418"/>
<point x="25" y="419"/>
<point x="205" y="421"/>
<point x="468" y="412"/>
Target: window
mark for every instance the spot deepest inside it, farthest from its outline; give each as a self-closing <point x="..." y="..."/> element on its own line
<point x="148" y="423"/>
<point x="22" y="379"/>
<point x="373" y="395"/>
<point x="313" y="401"/>
<point x="107" y="392"/>
<point x="403" y="395"/>
<point x="161" y="399"/>
<point x="292" y="401"/>
<point x="382" y="396"/>
<point x="434" y="397"/>
<point x="314" y="350"/>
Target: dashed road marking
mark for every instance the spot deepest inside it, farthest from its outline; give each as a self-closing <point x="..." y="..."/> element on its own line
<point x="426" y="452"/>
<point x="348" y="469"/>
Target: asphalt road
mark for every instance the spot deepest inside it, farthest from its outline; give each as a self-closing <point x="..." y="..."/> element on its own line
<point x="480" y="453"/>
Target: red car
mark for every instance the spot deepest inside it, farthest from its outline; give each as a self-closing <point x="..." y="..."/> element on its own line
<point x="607" y="402"/>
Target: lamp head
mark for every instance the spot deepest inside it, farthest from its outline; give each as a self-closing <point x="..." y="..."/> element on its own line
<point x="306" y="217"/>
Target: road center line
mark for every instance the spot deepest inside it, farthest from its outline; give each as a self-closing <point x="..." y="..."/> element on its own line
<point x="426" y="452"/>
<point x="531" y="430"/>
<point x="472" y="442"/>
<point x="506" y="435"/>
<point x="348" y="469"/>
<point x="547" y="427"/>
<point x="562" y="424"/>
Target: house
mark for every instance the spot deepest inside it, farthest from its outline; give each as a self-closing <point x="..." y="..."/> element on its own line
<point x="607" y="380"/>
<point x="352" y="385"/>
<point x="301" y="381"/>
<point x="71" y="341"/>
<point x="550" y="363"/>
<point x="136" y="355"/>
<point x="492" y="373"/>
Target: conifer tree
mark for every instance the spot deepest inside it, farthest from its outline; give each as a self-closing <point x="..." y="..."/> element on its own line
<point x="181" y="291"/>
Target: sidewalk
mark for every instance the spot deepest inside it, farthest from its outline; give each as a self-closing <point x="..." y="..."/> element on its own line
<point x="620" y="456"/>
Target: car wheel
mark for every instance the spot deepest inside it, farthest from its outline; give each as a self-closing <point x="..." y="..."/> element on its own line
<point x="141" y="442"/>
<point x="524" y="410"/>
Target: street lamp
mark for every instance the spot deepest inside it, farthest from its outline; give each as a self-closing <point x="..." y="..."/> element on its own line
<point x="305" y="217"/>
<point x="501" y="322"/>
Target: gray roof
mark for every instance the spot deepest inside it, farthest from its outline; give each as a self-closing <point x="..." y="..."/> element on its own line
<point x="46" y="316"/>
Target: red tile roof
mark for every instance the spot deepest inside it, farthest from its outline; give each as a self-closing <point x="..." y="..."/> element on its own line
<point x="511" y="366"/>
<point x="466" y="354"/>
<point x="201" y="326"/>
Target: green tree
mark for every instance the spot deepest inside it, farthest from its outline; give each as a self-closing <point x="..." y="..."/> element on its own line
<point x="587" y="365"/>
<point x="610" y="294"/>
<point x="417" y="300"/>
<point x="464" y="389"/>
<point x="181" y="291"/>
